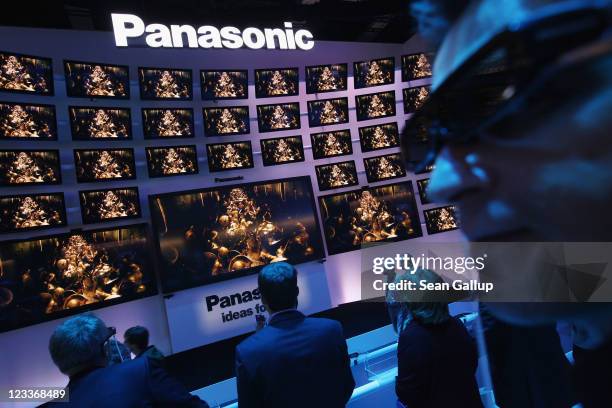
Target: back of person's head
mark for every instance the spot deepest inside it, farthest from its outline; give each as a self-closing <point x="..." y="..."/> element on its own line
<point x="435" y="17"/>
<point x="278" y="286"/>
<point x="137" y="336"/>
<point x="423" y="306"/>
<point x="77" y="344"/>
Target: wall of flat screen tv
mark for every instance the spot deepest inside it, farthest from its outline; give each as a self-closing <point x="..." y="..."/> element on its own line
<point x="199" y="236"/>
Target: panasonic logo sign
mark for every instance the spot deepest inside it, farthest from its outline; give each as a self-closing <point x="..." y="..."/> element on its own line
<point x="179" y="36"/>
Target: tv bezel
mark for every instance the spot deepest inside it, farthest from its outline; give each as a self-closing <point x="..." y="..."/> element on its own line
<point x="72" y="127"/>
<point x="313" y="101"/>
<point x="202" y="81"/>
<point x="100" y="221"/>
<point x="40" y="227"/>
<point x="36" y="139"/>
<point x="70" y="95"/>
<point x="312" y="143"/>
<point x="97" y="305"/>
<point x="195" y="151"/>
<point x="234" y="168"/>
<point x="51" y="82"/>
<point x="438" y="208"/>
<point x="407" y="111"/>
<point x="361" y="119"/>
<point x="301" y="147"/>
<point x="59" y="167"/>
<point x="241" y="273"/>
<point x="141" y="90"/>
<point x="146" y="137"/>
<point x="361" y="141"/>
<point x="326" y="65"/>
<point x="248" y="122"/>
<point x="299" y="120"/>
<point x="131" y="149"/>
<point x="355" y="63"/>
<point x="372" y="180"/>
<point x="405" y="77"/>
<point x="297" y="88"/>
<point x="331" y="164"/>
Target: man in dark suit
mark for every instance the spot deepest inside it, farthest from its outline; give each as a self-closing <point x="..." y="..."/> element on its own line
<point x="77" y="348"/>
<point x="294" y="361"/>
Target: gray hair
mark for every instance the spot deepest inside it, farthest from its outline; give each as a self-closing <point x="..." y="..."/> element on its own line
<point x="77" y="343"/>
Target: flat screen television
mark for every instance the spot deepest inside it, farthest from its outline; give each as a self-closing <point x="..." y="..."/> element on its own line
<point x="109" y="204"/>
<point x="336" y="175"/>
<point x="45" y="278"/>
<point x="172" y="161"/>
<point x="377" y="137"/>
<point x="25" y="74"/>
<point x="328" y="112"/>
<point x="282" y="150"/>
<point x="370" y="215"/>
<point x="165" y="84"/>
<point x="441" y="219"/>
<point x="375" y="105"/>
<point x="27" y="121"/>
<point x="331" y="144"/>
<point x="229" y="156"/>
<point x="226" y="121"/>
<point x="385" y="167"/>
<point x="326" y="78"/>
<point x="32" y="211"/>
<point x="416" y="66"/>
<point x="417" y="142"/>
<point x="422" y="186"/>
<point x="224" y="84"/>
<point x="29" y="167"/>
<point x="415" y="97"/>
<point x="374" y="72"/>
<point x="96" y="80"/>
<point x="98" y="123"/>
<point x="166" y="123"/>
<point x="277" y="117"/>
<point x="273" y="82"/>
<point x="225" y="232"/>
<point x="104" y="165"/>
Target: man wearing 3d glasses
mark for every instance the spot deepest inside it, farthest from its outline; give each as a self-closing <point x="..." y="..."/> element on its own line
<point x="518" y="127"/>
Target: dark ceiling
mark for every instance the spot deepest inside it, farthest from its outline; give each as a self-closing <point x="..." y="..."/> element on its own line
<point x="333" y="20"/>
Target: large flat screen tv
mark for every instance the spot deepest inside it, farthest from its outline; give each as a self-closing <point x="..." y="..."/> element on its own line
<point x="414" y="98"/>
<point x="326" y="78"/>
<point x="277" y="117"/>
<point x="379" y="137"/>
<point x="27" y="121"/>
<point x="104" y="165"/>
<point x="224" y="84"/>
<point x="376" y="214"/>
<point x="328" y="112"/>
<point x="25" y="74"/>
<point x="32" y="211"/>
<point x="165" y="84"/>
<point x="45" y="278"/>
<point x="385" y="167"/>
<point x="416" y="66"/>
<point x="422" y="186"/>
<point x="226" y="121"/>
<point x="441" y="219"/>
<point x="336" y="175"/>
<point x="274" y="82"/>
<point x="109" y="204"/>
<point x="23" y="167"/>
<point x="375" y="105"/>
<point x="172" y="161"/>
<point x="166" y="123"/>
<point x="282" y="150"/>
<point x="229" y="156"/>
<point x="331" y="144"/>
<point x="98" y="123"/>
<point x="95" y="80"/>
<point x="229" y="231"/>
<point x="374" y="72"/>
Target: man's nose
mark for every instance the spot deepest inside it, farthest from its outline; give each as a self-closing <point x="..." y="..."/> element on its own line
<point x="457" y="172"/>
